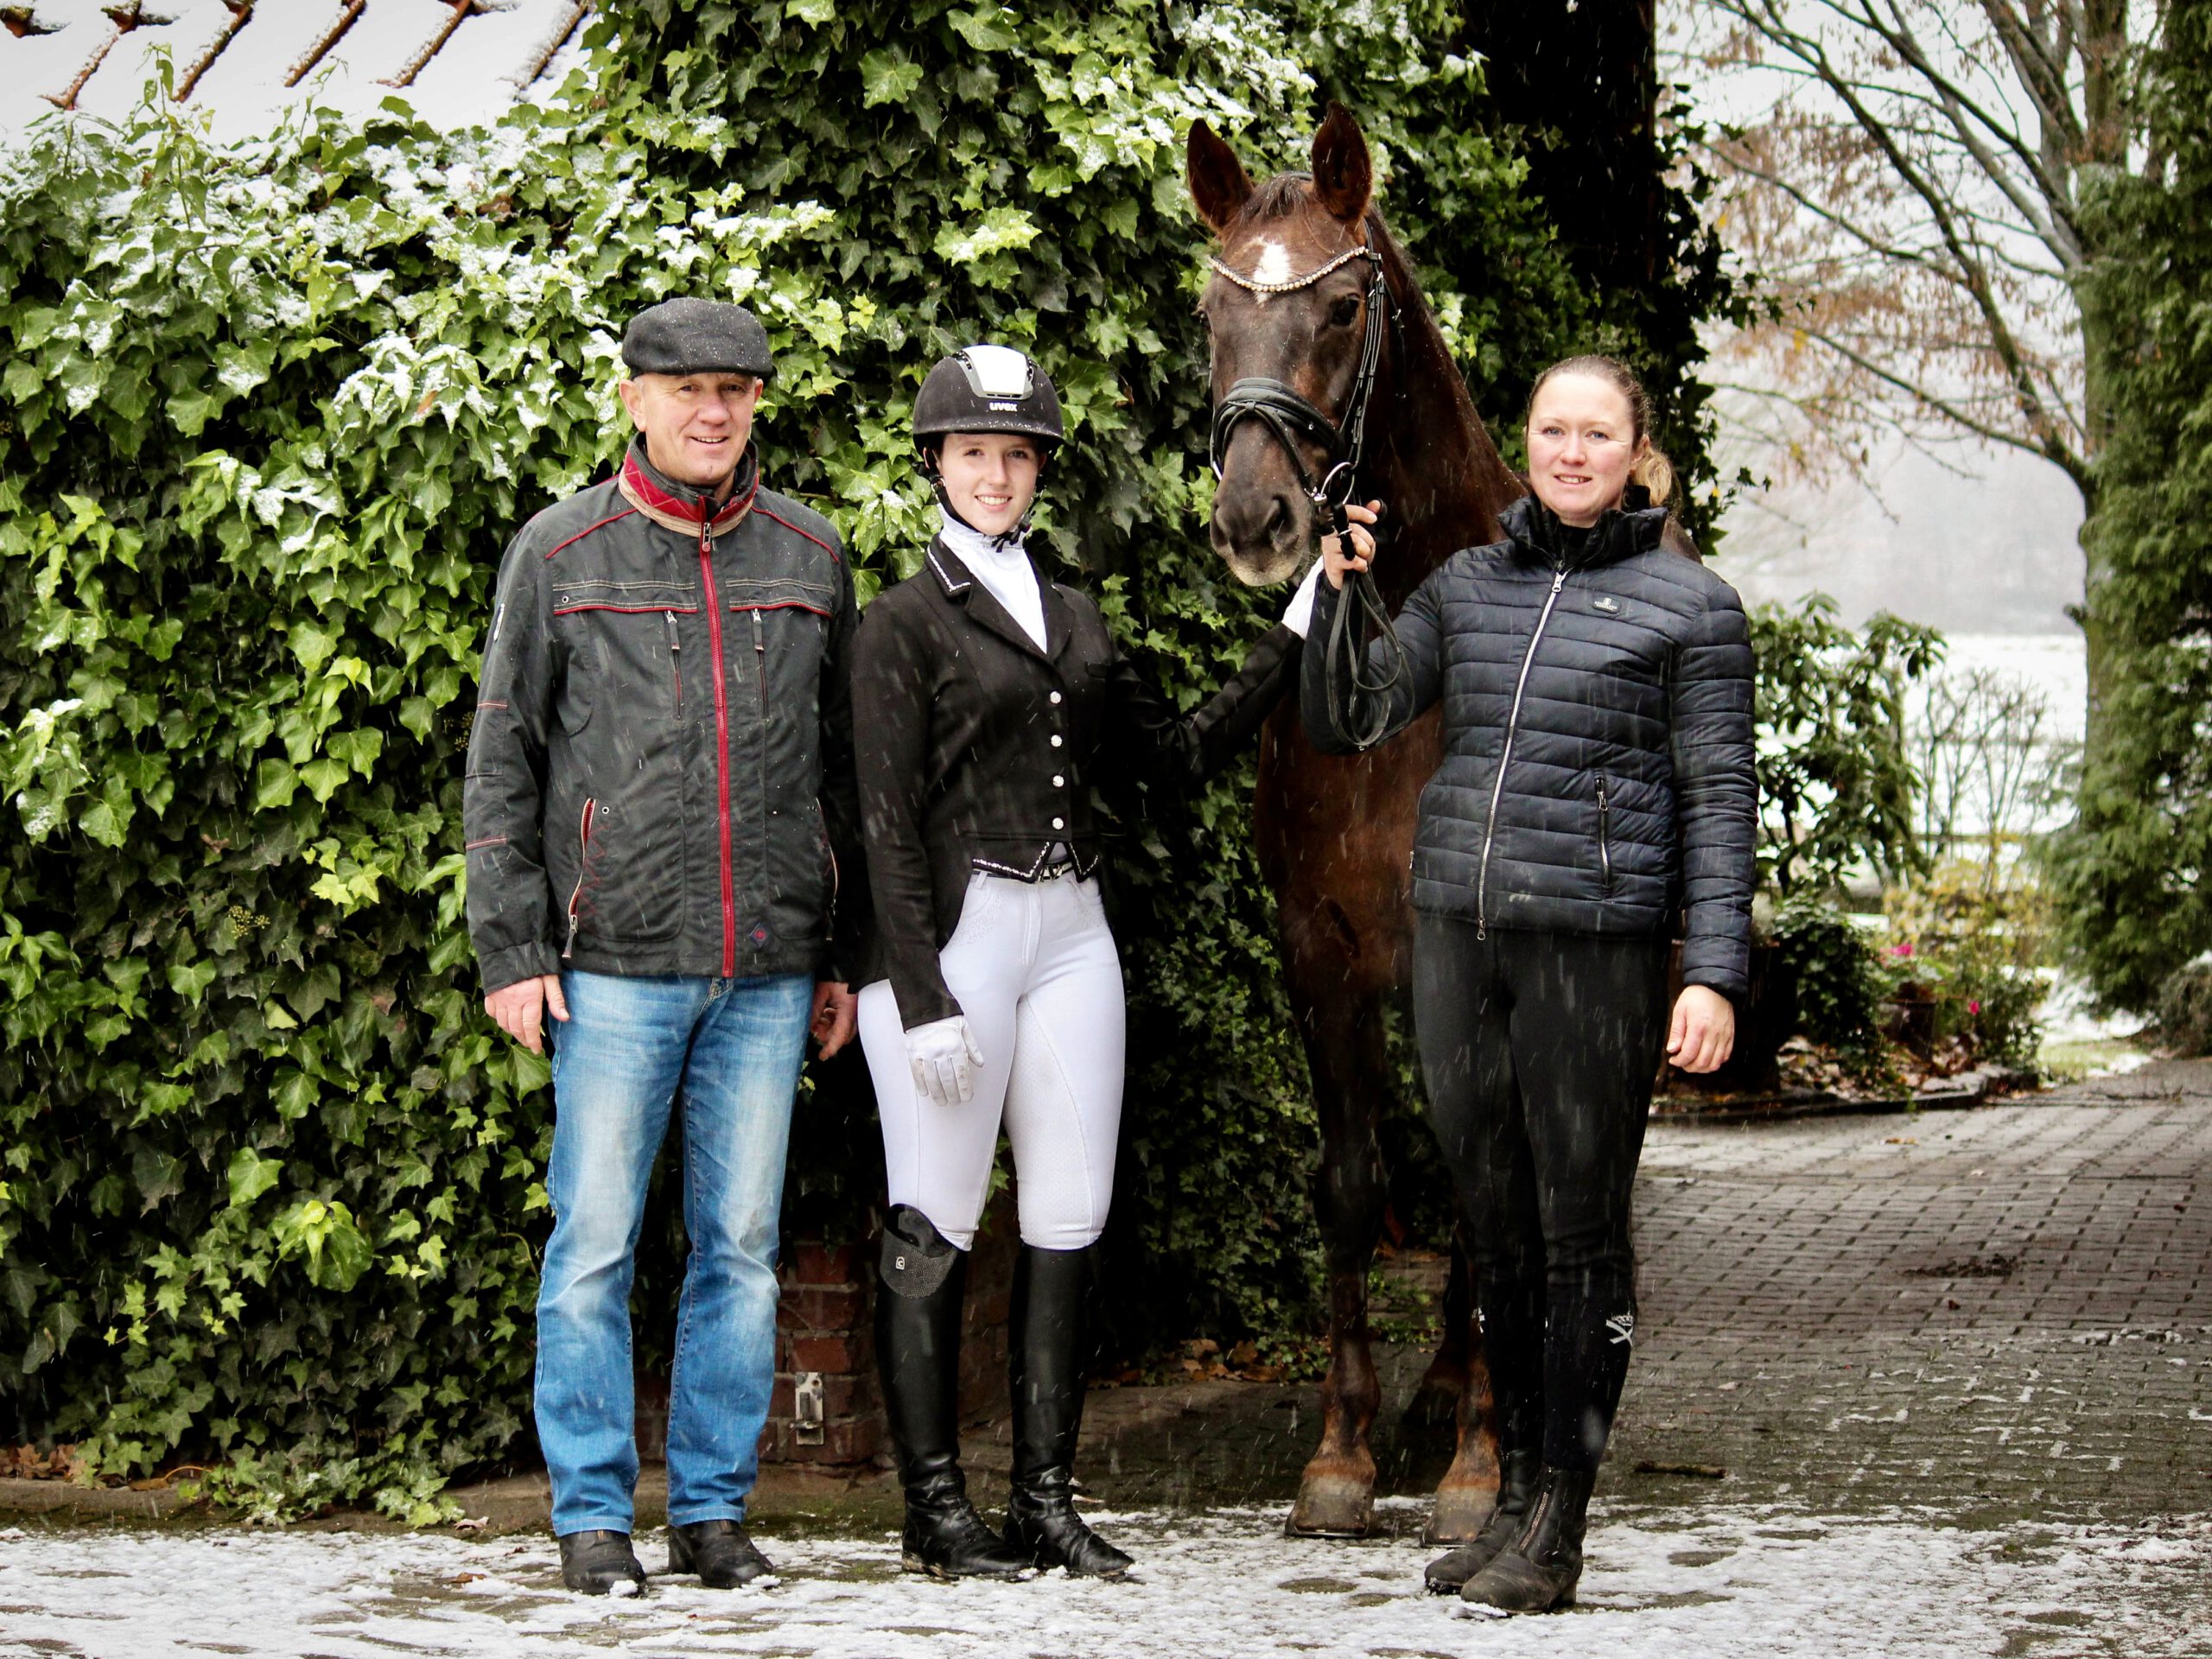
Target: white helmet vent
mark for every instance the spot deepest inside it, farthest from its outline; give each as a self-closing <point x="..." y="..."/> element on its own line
<point x="997" y="371"/>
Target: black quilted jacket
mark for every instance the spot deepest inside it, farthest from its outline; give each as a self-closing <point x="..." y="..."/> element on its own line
<point x="1597" y="765"/>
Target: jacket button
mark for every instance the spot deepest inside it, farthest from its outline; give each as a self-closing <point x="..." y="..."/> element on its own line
<point x="1057" y="824"/>
<point x="1056" y="740"/>
<point x="1058" y="782"/>
<point x="1055" y="697"/>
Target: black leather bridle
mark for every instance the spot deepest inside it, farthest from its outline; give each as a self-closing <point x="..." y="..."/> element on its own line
<point x="1296" y="421"/>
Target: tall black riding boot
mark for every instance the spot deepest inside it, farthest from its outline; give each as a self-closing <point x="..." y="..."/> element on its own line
<point x="1538" y="1573"/>
<point x="918" y="1349"/>
<point x="1045" y="1353"/>
<point x="1517" y="1486"/>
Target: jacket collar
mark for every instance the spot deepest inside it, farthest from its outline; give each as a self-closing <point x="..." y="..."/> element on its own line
<point x="1538" y="538"/>
<point x="962" y="588"/>
<point x="677" y="507"/>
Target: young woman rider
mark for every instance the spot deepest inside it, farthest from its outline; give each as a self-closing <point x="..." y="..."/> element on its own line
<point x="987" y="701"/>
<point x="1597" y="785"/>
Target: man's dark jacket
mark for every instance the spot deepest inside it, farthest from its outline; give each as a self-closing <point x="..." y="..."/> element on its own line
<point x="1598" y="771"/>
<point x="660" y="779"/>
<point x="979" y="748"/>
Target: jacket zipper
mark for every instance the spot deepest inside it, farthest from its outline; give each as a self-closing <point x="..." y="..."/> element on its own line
<point x="760" y="660"/>
<point x="584" y="858"/>
<point x="722" y="746"/>
<point x="1505" y="758"/>
<point x="676" y="659"/>
<point x="1605" y="833"/>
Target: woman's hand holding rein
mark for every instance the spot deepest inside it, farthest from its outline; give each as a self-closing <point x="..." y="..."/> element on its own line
<point x="1334" y="562"/>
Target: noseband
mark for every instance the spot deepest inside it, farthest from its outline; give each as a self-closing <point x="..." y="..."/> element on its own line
<point x="1295" y="418"/>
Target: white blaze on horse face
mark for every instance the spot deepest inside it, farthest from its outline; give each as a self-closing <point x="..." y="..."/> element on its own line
<point x="1274" y="267"/>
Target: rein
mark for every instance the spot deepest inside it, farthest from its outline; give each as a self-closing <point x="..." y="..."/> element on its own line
<point x="1291" y="416"/>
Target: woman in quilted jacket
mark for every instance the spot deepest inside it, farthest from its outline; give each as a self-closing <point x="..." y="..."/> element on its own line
<point x="1597" y="790"/>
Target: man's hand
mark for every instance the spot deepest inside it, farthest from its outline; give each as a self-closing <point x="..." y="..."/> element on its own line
<point x="835" y="1012"/>
<point x="1336" y="560"/>
<point x="1704" y="1031"/>
<point x="520" y="1009"/>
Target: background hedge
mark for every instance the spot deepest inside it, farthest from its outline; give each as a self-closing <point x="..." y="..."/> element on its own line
<point x="269" y="1181"/>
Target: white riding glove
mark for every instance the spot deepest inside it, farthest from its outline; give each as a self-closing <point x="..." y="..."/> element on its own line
<point x="945" y="1057"/>
<point x="1298" y="616"/>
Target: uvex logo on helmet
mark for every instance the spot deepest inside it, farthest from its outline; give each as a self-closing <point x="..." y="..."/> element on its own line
<point x="986" y="389"/>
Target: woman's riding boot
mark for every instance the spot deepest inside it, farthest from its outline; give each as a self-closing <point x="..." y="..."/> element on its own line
<point x="1044" y="1345"/>
<point x="1539" y="1571"/>
<point x="1517" y="1486"/>
<point x="917" y="1348"/>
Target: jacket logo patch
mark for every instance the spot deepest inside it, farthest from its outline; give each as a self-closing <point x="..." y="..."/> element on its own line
<point x="1605" y="602"/>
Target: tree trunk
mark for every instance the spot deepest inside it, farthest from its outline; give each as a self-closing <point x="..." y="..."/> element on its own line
<point x="1582" y="77"/>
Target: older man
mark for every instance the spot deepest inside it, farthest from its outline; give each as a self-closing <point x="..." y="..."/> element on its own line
<point x="659" y="801"/>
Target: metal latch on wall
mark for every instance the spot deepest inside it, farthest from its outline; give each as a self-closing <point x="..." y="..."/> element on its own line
<point x="807" y="1412"/>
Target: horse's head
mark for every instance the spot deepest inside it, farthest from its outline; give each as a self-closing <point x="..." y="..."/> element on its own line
<point x="1272" y="319"/>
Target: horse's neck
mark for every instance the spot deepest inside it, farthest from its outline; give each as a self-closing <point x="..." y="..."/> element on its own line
<point x="1439" y="474"/>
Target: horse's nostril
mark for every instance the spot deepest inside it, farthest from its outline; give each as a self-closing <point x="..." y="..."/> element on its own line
<point x="1278" y="519"/>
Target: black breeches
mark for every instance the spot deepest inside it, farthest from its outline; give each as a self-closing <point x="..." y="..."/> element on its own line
<point x="1539" y="1050"/>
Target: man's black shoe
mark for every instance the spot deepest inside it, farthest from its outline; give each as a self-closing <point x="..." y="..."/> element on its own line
<point x="593" y="1563"/>
<point x="719" y="1552"/>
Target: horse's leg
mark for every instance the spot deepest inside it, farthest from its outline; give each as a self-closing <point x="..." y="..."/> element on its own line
<point x="1436" y="1397"/>
<point x="1344" y="1049"/>
<point x="1468" y="1492"/>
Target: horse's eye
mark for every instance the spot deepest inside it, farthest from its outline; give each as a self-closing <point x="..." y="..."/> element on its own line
<point x="1344" y="311"/>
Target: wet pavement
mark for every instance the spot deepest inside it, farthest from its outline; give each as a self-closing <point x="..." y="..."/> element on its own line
<point x="1956" y="1367"/>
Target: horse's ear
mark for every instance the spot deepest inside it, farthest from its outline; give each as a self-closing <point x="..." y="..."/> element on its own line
<point x="1343" y="177"/>
<point x="1218" y="183"/>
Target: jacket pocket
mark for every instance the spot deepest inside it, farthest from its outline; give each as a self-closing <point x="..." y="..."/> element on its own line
<point x="1604" y="834"/>
<point x="628" y="886"/>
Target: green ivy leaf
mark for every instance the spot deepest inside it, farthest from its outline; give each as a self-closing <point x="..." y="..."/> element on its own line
<point x="252" y="1175"/>
<point x="986" y="31"/>
<point x="887" y="77"/>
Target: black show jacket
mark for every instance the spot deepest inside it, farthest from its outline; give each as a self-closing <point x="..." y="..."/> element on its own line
<point x="976" y="750"/>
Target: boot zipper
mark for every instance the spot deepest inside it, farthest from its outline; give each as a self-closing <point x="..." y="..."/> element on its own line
<point x="676" y="659"/>
<point x="584" y="858"/>
<point x="1505" y="758"/>
<point x="1605" y="833"/>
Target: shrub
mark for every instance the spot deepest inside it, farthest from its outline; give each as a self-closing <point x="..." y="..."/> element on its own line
<point x="1832" y="970"/>
<point x="268" y="1182"/>
<point x="1976" y="947"/>
<point x="2185" y="1009"/>
<point x="1836" y="785"/>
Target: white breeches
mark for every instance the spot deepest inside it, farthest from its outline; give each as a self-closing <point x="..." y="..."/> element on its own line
<point x="1034" y="967"/>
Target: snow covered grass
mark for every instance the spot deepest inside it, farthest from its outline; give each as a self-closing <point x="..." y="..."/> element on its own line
<point x="1712" y="1582"/>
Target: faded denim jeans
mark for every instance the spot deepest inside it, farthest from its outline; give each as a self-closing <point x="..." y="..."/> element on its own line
<point x="730" y="1049"/>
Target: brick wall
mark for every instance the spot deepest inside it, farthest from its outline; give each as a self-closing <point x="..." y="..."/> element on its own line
<point x="828" y="1406"/>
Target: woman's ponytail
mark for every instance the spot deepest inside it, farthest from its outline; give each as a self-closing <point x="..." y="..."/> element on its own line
<point x="1655" y="473"/>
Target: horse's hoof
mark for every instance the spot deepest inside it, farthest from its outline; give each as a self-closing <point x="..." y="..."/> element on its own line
<point x="1434" y="1405"/>
<point x="1460" y="1515"/>
<point x="1335" y="1508"/>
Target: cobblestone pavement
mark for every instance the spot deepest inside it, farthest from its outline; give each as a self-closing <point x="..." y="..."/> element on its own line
<point x="1954" y="1365"/>
<point x="2009" y="1306"/>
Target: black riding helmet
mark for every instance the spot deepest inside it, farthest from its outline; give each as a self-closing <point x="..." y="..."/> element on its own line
<point x="986" y="389"/>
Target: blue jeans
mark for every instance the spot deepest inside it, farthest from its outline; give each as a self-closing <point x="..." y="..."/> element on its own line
<point x="731" y="1048"/>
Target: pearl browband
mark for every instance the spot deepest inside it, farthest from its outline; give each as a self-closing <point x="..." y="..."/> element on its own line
<point x="1254" y="285"/>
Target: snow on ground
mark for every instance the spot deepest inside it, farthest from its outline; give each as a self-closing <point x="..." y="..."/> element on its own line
<point x="1713" y="1582"/>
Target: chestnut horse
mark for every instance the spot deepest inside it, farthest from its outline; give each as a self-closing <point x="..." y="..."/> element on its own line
<point x="1296" y="276"/>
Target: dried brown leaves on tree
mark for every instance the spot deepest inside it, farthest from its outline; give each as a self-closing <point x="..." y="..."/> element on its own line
<point x="1908" y="184"/>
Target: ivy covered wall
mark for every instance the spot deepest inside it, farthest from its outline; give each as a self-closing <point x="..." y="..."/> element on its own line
<point x="269" y="1181"/>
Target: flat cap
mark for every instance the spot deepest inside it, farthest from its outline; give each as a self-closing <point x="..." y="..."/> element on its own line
<point x="696" y="337"/>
